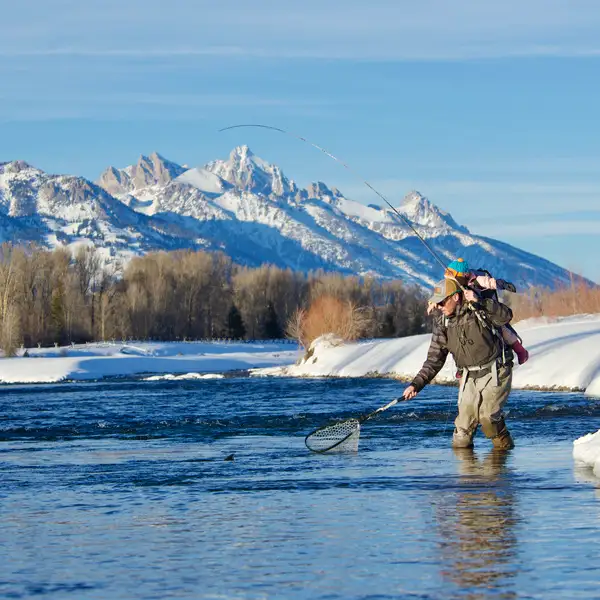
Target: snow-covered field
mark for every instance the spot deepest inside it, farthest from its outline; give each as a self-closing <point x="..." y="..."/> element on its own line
<point x="168" y="359"/>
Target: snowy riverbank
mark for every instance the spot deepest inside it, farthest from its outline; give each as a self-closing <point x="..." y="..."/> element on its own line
<point x="169" y="359"/>
<point x="564" y="354"/>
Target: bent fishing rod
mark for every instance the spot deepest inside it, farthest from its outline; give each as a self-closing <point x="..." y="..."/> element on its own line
<point x="345" y="165"/>
<point x="330" y="437"/>
<point x="341" y="162"/>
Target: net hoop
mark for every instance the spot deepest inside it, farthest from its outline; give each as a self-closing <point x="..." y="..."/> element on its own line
<point x="337" y="435"/>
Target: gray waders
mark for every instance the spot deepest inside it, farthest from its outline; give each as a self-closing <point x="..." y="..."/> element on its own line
<point x="482" y="395"/>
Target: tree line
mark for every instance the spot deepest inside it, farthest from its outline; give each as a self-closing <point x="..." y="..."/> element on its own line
<point x="55" y="297"/>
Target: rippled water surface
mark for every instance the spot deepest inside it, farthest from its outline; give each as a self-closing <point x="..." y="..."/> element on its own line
<point x="121" y="490"/>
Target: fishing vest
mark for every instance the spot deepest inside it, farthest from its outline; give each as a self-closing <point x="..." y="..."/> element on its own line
<point x="471" y="342"/>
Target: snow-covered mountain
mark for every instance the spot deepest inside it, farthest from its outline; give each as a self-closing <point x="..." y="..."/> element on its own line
<point x="250" y="210"/>
<point x="62" y="210"/>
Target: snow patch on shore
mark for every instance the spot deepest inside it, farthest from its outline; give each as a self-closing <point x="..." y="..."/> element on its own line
<point x="586" y="451"/>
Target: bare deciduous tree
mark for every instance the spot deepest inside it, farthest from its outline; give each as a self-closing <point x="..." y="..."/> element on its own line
<point x="51" y="297"/>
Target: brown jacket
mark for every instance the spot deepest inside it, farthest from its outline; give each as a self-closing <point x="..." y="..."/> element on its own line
<point x="471" y="342"/>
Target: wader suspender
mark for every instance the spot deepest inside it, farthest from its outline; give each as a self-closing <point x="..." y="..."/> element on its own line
<point x="483" y="320"/>
<point x="496" y="334"/>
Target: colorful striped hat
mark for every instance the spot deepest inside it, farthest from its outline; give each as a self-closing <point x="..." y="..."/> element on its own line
<point x="457" y="268"/>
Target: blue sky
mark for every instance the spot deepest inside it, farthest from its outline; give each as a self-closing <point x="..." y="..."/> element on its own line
<point x="488" y="108"/>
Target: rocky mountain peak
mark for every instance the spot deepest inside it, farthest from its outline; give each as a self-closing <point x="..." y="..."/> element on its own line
<point x="154" y="170"/>
<point x="248" y="172"/>
<point x="319" y="190"/>
<point x="16" y="166"/>
<point x="421" y="211"/>
<point x="240" y="153"/>
<point x="149" y="171"/>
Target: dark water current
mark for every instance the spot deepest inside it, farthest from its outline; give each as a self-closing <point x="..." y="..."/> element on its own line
<point x="120" y="490"/>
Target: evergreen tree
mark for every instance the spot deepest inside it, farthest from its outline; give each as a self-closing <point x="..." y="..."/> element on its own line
<point x="272" y="328"/>
<point x="388" y="326"/>
<point x="235" y="324"/>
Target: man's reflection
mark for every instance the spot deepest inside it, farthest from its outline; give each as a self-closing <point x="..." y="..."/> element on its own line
<point x="477" y="522"/>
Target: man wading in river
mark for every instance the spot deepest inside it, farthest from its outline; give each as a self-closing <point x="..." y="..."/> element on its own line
<point x="467" y="327"/>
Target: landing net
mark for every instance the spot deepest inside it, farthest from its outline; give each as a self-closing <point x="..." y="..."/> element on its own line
<point x="341" y="437"/>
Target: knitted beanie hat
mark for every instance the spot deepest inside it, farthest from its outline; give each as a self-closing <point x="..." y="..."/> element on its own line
<point x="458" y="267"/>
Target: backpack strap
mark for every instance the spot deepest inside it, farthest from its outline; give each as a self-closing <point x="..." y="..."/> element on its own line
<point x="481" y="316"/>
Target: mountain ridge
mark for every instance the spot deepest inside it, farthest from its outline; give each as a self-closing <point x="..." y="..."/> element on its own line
<point x="249" y="209"/>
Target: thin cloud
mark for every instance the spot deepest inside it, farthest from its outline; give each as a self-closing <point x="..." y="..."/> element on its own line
<point x="71" y="105"/>
<point x="499" y="187"/>
<point x="153" y="52"/>
<point x="538" y="229"/>
<point x="338" y="29"/>
<point x="463" y="198"/>
<point x="356" y="52"/>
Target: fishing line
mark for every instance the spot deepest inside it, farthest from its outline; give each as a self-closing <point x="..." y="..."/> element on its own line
<point x="341" y="162"/>
<point x="402" y="217"/>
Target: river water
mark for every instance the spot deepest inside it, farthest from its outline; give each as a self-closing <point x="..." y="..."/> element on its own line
<point x="121" y="490"/>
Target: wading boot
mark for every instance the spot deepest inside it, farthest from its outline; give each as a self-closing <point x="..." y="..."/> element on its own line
<point x="503" y="441"/>
<point x="462" y="439"/>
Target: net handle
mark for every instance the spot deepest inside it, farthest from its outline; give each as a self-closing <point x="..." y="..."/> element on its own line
<point x="380" y="409"/>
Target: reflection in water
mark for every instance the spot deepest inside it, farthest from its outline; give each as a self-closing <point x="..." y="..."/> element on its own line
<point x="477" y="522"/>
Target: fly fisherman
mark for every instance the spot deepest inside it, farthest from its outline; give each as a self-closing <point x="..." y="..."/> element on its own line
<point x="468" y="326"/>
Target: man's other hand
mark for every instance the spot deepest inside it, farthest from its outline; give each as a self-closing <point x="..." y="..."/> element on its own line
<point x="471" y="296"/>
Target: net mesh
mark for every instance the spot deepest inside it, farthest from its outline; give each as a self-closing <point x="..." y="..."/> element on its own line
<point x="341" y="437"/>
